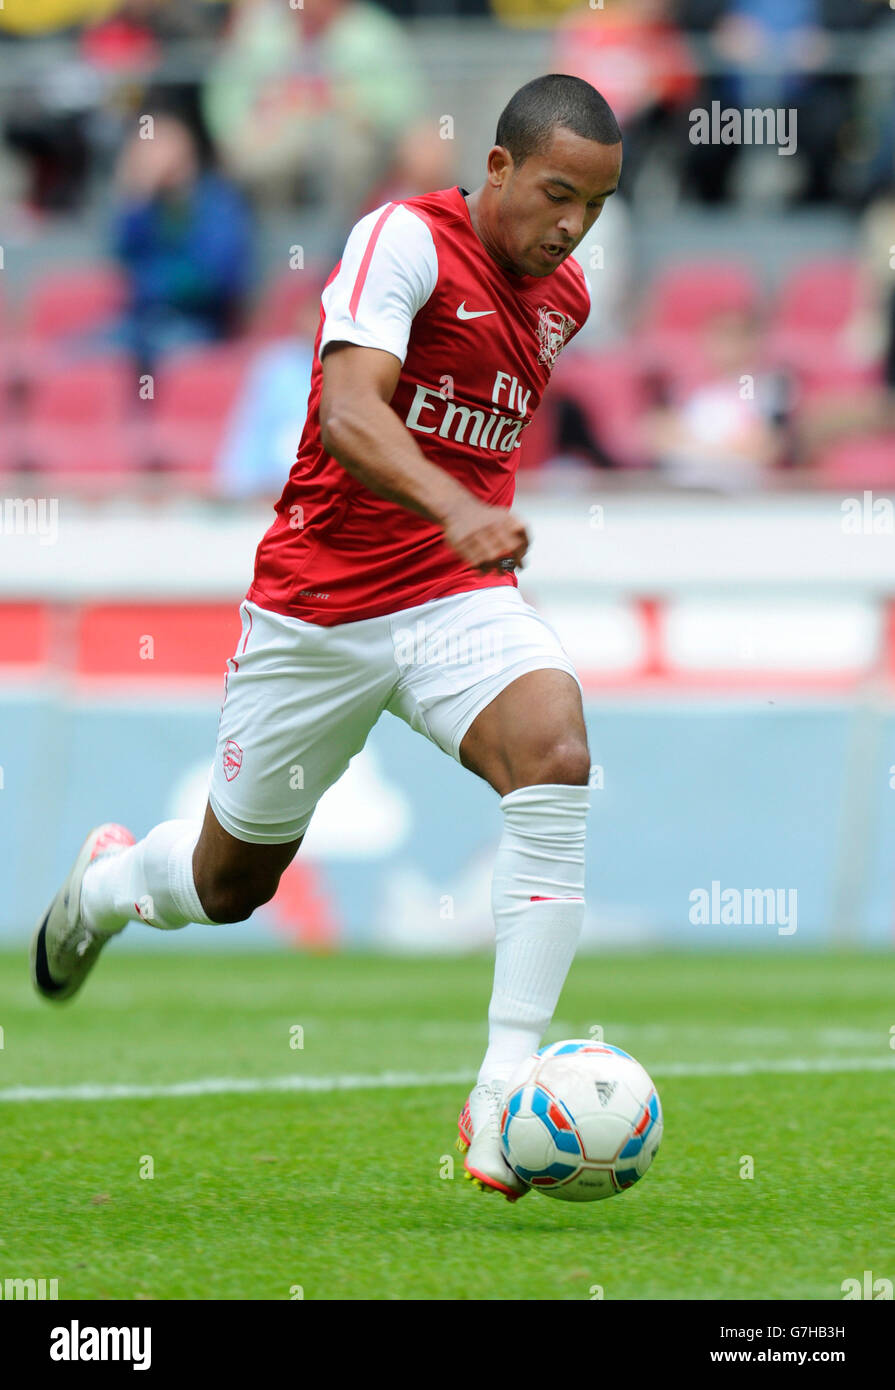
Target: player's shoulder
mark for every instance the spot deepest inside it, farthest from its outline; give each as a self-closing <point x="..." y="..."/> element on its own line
<point x="403" y="236"/>
<point x="443" y="206"/>
<point x="390" y="243"/>
<point x="392" y="222"/>
<point x="415" y="216"/>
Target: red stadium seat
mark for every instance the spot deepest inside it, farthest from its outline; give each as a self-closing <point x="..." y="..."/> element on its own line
<point x="814" y="307"/>
<point x="194" y="395"/>
<point x="820" y="371"/>
<point x="684" y="297"/>
<point x="284" y="302"/>
<point x="185" y="448"/>
<point x="94" y="391"/>
<point x="681" y="302"/>
<point x="8" y="404"/>
<point x="200" y="385"/>
<point x="609" y="390"/>
<point x="8" y="447"/>
<point x="819" y="297"/>
<point x="81" y="417"/>
<point x="73" y="301"/>
<point x="866" y="460"/>
<point x="103" y="447"/>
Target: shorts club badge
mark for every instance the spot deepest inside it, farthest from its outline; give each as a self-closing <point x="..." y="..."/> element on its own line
<point x="232" y="759"/>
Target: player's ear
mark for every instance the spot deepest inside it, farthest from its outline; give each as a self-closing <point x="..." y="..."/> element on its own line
<point x="499" y="165"/>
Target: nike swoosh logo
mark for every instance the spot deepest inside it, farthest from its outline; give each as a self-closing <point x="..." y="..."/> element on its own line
<point x="464" y="313"/>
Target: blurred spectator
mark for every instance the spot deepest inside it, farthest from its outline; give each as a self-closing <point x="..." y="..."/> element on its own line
<point x="49" y="16"/>
<point x="422" y="162"/>
<point x="128" y="52"/>
<point x="635" y="56"/>
<point x="134" y="32"/>
<point x="878" y="318"/>
<point x="263" y="433"/>
<point x="309" y="103"/>
<point x="778" y="54"/>
<point x="182" y="234"/>
<point x="90" y="90"/>
<point x="45" y="117"/>
<point x="46" y="128"/>
<point x="860" y="404"/>
<point x="725" y="432"/>
<point x="525" y="14"/>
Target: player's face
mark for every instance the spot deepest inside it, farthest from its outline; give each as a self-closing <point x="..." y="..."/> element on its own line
<point x="550" y="202"/>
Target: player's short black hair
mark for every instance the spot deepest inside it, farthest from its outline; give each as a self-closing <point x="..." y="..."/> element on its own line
<point x="527" y="122"/>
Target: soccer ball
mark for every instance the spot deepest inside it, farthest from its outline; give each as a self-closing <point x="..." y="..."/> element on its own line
<point x="581" y="1121"/>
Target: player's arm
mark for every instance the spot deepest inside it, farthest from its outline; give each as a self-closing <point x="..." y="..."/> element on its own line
<point x="360" y="429"/>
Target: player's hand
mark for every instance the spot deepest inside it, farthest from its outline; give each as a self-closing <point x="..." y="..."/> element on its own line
<point x="487" y="538"/>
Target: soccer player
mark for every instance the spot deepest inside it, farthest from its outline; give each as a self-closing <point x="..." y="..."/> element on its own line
<point x="393" y="549"/>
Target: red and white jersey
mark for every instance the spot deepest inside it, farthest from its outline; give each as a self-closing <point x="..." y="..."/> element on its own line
<point x="477" y="345"/>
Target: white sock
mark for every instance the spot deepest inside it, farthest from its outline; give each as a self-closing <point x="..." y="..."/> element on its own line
<point x="151" y="882"/>
<point x="538" y="902"/>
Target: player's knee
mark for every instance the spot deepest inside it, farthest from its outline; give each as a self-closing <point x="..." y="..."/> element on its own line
<point x="234" y="900"/>
<point x="565" y="763"/>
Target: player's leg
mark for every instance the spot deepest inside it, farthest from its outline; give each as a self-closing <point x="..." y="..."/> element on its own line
<point x="515" y="719"/>
<point x="183" y="871"/>
<point x="233" y="876"/>
<point x="531" y="734"/>
<point x="300" y="702"/>
<point x="530" y="744"/>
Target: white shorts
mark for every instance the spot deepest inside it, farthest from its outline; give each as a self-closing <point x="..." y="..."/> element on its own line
<point x="301" y="699"/>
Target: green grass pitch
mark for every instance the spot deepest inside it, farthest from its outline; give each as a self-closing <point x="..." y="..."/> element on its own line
<point x="347" y="1194"/>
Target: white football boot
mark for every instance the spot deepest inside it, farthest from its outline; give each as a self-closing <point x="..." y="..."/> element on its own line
<point x="63" y="949"/>
<point x="479" y="1126"/>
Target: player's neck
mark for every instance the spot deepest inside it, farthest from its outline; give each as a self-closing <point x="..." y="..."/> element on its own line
<point x="480" y="227"/>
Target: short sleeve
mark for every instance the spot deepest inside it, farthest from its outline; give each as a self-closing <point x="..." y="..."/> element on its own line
<point x="388" y="270"/>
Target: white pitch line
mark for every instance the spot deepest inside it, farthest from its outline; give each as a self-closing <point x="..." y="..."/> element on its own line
<point x="396" y="1080"/>
<point x="235" y="1085"/>
<point x="785" y="1065"/>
